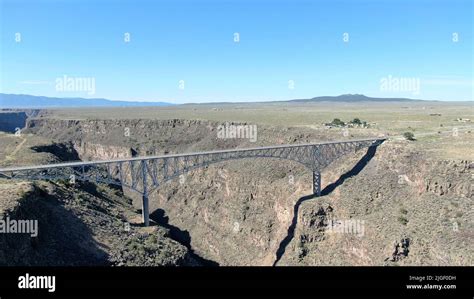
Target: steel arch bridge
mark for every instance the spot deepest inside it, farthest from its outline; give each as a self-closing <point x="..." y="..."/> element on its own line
<point x="146" y="174"/>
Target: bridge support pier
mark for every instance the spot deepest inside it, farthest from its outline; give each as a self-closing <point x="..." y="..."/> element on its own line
<point x="145" y="210"/>
<point x="317" y="183"/>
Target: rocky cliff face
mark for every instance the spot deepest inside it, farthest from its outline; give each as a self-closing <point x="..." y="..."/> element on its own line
<point x="399" y="210"/>
<point x="97" y="151"/>
<point x="235" y="213"/>
<point x="81" y="226"/>
<point x="241" y="212"/>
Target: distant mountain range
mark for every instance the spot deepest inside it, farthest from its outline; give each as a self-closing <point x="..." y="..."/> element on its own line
<point x="350" y="98"/>
<point x="345" y="98"/>
<point x="28" y="101"/>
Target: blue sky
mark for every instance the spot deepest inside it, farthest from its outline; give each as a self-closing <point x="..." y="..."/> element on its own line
<point x="287" y="49"/>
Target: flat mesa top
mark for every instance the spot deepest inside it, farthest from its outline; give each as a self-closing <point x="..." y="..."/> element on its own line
<point x="84" y="163"/>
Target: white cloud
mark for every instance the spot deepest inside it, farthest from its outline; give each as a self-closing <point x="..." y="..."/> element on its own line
<point x="35" y="82"/>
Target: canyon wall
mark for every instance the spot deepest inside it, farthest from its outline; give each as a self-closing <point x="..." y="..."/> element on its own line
<point x="243" y="212"/>
<point x="12" y="121"/>
<point x="235" y="212"/>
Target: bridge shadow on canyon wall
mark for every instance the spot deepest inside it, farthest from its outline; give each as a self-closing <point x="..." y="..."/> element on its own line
<point x="181" y="236"/>
<point x="326" y="191"/>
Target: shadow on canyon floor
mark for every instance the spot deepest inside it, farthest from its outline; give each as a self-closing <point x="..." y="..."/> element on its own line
<point x="181" y="236"/>
<point x="326" y="191"/>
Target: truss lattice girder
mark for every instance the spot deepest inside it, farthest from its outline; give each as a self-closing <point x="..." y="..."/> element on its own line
<point x="158" y="170"/>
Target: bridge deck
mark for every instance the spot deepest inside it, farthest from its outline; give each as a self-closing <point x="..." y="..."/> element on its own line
<point x="85" y="163"/>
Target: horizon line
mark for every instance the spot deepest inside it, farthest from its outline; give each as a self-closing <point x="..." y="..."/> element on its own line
<point x="172" y="103"/>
